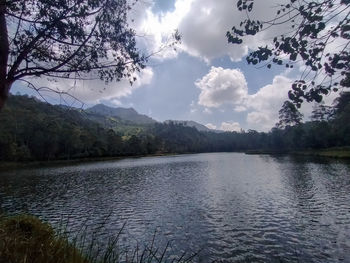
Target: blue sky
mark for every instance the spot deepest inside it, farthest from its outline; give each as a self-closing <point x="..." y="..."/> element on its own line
<point x="206" y="80"/>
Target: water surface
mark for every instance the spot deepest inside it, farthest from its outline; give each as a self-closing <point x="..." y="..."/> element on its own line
<point x="229" y="206"/>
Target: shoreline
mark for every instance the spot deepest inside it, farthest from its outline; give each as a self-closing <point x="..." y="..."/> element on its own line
<point x="334" y="152"/>
<point x="27" y="164"/>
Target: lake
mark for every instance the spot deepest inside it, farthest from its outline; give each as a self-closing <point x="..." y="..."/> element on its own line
<point x="229" y="207"/>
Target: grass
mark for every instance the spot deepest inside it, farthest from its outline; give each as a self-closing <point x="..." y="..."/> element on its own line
<point x="27" y="239"/>
<point x="333" y="152"/>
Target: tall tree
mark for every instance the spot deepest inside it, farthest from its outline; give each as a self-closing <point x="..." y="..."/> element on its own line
<point x="289" y="115"/>
<point x="312" y="26"/>
<point x="321" y="112"/>
<point x="342" y="103"/>
<point x="66" y="39"/>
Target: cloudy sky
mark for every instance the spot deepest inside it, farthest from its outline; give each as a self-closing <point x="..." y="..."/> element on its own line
<point x="206" y="79"/>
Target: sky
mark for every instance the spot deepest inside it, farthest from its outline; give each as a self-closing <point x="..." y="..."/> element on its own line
<point x="205" y="79"/>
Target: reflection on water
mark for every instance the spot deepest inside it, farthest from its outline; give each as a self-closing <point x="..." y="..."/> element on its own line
<point x="230" y="206"/>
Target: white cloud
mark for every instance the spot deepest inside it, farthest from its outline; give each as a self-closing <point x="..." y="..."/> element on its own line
<point x="203" y="25"/>
<point x="211" y="126"/>
<point x="156" y="29"/>
<point x="266" y="103"/>
<point x="260" y="120"/>
<point x="222" y="86"/>
<point x="230" y="126"/>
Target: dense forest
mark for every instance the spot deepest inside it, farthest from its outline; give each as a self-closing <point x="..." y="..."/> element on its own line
<point x="34" y="130"/>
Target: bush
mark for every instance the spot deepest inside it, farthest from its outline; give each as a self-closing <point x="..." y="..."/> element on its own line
<point x="27" y="239"/>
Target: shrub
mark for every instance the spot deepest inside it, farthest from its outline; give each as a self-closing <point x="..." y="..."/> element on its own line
<point x="25" y="238"/>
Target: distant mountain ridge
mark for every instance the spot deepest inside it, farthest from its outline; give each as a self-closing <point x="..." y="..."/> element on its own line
<point x="131" y="115"/>
<point x="128" y="114"/>
<point x="198" y="126"/>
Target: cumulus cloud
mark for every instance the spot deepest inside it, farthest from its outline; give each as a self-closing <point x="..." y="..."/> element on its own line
<point x="156" y="30"/>
<point x="203" y="25"/>
<point x="265" y="104"/>
<point x="222" y="86"/>
<point x="230" y="126"/>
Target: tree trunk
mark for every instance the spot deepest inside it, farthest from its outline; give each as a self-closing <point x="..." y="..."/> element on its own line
<point x="5" y="84"/>
<point x="5" y="87"/>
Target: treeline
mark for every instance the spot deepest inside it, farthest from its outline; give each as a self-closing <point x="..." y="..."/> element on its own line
<point x="329" y="127"/>
<point x="34" y="130"/>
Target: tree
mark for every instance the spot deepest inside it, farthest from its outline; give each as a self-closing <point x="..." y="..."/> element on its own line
<point x="342" y="103"/>
<point x="312" y="27"/>
<point x="66" y="39"/>
<point x="342" y="118"/>
<point x="321" y="112"/>
<point x="288" y="115"/>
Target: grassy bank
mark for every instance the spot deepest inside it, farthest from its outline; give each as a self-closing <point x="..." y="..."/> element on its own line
<point x="14" y="165"/>
<point x="27" y="239"/>
<point x="334" y="152"/>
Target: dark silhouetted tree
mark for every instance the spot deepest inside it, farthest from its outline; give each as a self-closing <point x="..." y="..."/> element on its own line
<point x="321" y="112"/>
<point x="311" y="27"/>
<point x="342" y="103"/>
<point x="288" y="115"/>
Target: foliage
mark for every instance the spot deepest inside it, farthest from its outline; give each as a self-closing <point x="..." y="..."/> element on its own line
<point x="289" y="115"/>
<point x="66" y="39"/>
<point x="317" y="34"/>
<point x="342" y="103"/>
<point x="27" y="239"/>
<point x="322" y="112"/>
<point x="58" y="38"/>
<point x="34" y="130"/>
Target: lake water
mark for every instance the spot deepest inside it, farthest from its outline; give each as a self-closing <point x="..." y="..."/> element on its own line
<point x="230" y="207"/>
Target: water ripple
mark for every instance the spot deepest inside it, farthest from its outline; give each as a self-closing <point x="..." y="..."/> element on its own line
<point x="230" y="207"/>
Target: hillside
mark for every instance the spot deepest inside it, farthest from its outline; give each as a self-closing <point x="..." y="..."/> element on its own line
<point x="127" y="114"/>
<point x="34" y="130"/>
<point x="198" y="126"/>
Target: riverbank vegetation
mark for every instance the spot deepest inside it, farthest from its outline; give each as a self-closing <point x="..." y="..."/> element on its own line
<point x="32" y="130"/>
<point x="25" y="238"/>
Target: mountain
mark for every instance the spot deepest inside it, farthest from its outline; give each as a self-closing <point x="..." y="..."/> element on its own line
<point x="198" y="126"/>
<point x="128" y="114"/>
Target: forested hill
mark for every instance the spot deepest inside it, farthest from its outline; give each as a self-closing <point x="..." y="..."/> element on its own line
<point x="128" y="114"/>
<point x="198" y="126"/>
<point x="34" y="130"/>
